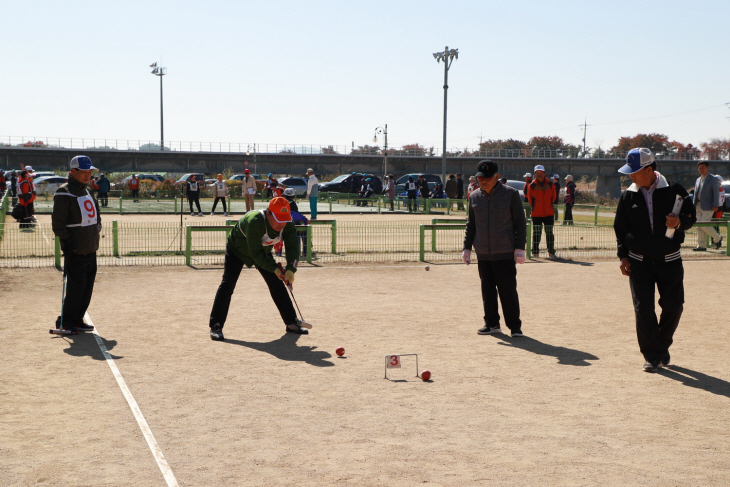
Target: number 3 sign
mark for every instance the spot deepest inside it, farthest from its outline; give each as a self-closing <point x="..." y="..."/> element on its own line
<point x="393" y="362"/>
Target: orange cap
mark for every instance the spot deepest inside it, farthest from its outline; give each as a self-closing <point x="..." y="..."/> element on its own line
<point x="280" y="209"/>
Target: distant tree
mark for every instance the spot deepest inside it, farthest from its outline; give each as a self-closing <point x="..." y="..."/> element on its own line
<point x="546" y="143"/>
<point x="287" y="151"/>
<point x="657" y="143"/>
<point x="499" y="144"/>
<point x="151" y="146"/>
<point x="365" y="150"/>
<point x="37" y="143"/>
<point x="329" y="150"/>
<point x="717" y="149"/>
<point x="685" y="151"/>
<point x="104" y="147"/>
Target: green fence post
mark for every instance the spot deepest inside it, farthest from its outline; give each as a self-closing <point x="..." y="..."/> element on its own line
<point x="379" y="202"/>
<point x="595" y="215"/>
<point x="188" y="244"/>
<point x="422" y="243"/>
<point x="448" y="203"/>
<point x="333" y="226"/>
<point x="309" y="244"/>
<point x="329" y="197"/>
<point x="433" y="235"/>
<point x="528" y="242"/>
<point x="115" y="238"/>
<point x="57" y="252"/>
<point x="427" y="205"/>
<point x="120" y="205"/>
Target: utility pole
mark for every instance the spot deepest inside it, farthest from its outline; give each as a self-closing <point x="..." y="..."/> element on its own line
<point x="447" y="56"/>
<point x="585" y="127"/>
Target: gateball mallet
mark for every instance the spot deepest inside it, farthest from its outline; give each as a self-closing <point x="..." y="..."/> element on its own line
<point x="289" y="286"/>
<point x="60" y="330"/>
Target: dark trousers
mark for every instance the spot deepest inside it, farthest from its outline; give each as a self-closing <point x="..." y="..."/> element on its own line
<point x="197" y="203"/>
<point x="412" y="201"/>
<point x="103" y="199"/>
<point x="568" y="217"/>
<point x="499" y="277"/>
<point x="135" y="194"/>
<point x="231" y="271"/>
<point x="28" y="213"/>
<point x="537" y="223"/>
<point x="215" y="203"/>
<point x="655" y="337"/>
<point x="80" y="275"/>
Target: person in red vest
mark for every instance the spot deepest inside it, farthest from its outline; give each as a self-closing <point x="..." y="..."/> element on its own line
<point x="3" y="184"/>
<point x="26" y="197"/>
<point x="134" y="187"/>
<point x="94" y="185"/>
<point x="541" y="196"/>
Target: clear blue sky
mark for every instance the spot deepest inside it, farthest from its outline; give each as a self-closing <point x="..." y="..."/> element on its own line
<point x="329" y="72"/>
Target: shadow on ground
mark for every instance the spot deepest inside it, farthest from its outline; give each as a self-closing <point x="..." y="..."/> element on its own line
<point x="698" y="380"/>
<point x="286" y="348"/>
<point x="565" y="356"/>
<point x="84" y="345"/>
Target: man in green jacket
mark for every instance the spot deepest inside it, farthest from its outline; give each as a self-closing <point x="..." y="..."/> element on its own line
<point x="250" y="243"/>
<point x="76" y="222"/>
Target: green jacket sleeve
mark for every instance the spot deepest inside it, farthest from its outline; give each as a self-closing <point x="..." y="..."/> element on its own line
<point x="261" y="255"/>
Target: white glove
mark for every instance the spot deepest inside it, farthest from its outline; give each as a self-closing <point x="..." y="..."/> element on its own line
<point x="519" y="256"/>
<point x="466" y="257"/>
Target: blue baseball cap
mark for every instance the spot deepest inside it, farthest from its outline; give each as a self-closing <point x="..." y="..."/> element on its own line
<point x="81" y="162"/>
<point x="636" y="160"/>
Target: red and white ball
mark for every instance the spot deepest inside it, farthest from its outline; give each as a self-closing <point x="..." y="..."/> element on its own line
<point x="340" y="351"/>
<point x="426" y="375"/>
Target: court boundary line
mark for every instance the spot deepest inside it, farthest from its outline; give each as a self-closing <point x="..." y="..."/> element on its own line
<point x="136" y="411"/>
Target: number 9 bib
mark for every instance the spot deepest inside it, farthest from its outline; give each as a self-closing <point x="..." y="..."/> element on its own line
<point x="88" y="210"/>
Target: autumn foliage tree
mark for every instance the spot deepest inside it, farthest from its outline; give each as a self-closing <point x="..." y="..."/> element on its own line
<point x="500" y="144"/>
<point x="718" y="149"/>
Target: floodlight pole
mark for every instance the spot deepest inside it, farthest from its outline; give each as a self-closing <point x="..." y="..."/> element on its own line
<point x="160" y="72"/>
<point x="447" y="57"/>
<point x="383" y="131"/>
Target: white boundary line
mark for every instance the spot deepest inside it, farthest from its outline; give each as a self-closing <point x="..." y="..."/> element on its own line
<point x="146" y="431"/>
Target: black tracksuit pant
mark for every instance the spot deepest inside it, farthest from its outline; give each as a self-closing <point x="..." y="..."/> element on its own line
<point x="537" y="223"/>
<point x="80" y="275"/>
<point x="499" y="278"/>
<point x="196" y="199"/>
<point x="568" y="217"/>
<point x="232" y="268"/>
<point x="655" y="337"/>
<point x="222" y="199"/>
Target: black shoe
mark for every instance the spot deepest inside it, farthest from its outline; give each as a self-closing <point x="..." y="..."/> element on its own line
<point x="699" y="249"/>
<point x="718" y="244"/>
<point x="517" y="333"/>
<point x="84" y="327"/>
<point x="216" y="333"/>
<point x="652" y="366"/>
<point x="665" y="359"/>
<point x="489" y="330"/>
<point x="295" y="328"/>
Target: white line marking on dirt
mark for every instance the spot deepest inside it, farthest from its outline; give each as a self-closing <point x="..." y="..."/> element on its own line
<point x="146" y="431"/>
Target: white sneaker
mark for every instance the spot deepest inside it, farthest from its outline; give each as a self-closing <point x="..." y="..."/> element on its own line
<point x="225" y="214"/>
<point x="211" y="213"/>
<point x="200" y="214"/>
<point x="192" y="213"/>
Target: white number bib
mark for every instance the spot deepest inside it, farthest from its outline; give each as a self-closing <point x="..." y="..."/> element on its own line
<point x="88" y="210"/>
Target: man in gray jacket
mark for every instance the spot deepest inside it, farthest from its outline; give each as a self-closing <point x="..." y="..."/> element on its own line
<point x="496" y="228"/>
<point x="706" y="201"/>
<point x="77" y="223"/>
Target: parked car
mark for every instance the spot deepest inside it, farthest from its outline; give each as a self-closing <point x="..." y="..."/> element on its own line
<point x="431" y="179"/>
<point x="142" y="177"/>
<point x="42" y="174"/>
<point x="343" y="184"/>
<point x="299" y="185"/>
<point x="184" y="179"/>
<point x="48" y="184"/>
<point x="520" y="185"/>
<point x="726" y="187"/>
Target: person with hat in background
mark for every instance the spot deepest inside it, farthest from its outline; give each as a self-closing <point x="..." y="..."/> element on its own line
<point x="192" y="193"/>
<point x="459" y="192"/>
<point x="473" y="186"/>
<point x="3" y="183"/>
<point x="541" y="196"/>
<point x="706" y="201"/>
<point x="497" y="229"/>
<point x="569" y="200"/>
<point x="649" y="234"/>
<point x="528" y="180"/>
<point x="220" y="191"/>
<point x="134" y="188"/>
<point x="248" y="187"/>
<point x="104" y="185"/>
<point x="271" y="184"/>
<point x="312" y="193"/>
<point x="13" y="187"/>
<point x="250" y="243"/>
<point x="411" y="188"/>
<point x="556" y="185"/>
<point x="290" y="194"/>
<point x="366" y="191"/>
<point x="389" y="191"/>
<point x="26" y="197"/>
<point x="76" y="222"/>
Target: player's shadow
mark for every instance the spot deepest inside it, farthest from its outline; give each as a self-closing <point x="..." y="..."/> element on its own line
<point x="698" y="380"/>
<point x="84" y="345"/>
<point x="286" y="348"/>
<point x="565" y="355"/>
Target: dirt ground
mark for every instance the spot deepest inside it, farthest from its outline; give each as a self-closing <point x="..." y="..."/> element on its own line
<point x="567" y="405"/>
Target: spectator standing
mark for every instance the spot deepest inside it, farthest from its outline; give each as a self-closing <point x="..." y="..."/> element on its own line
<point x="192" y="192"/>
<point x="248" y="188"/>
<point x="706" y="201"/>
<point x="271" y="184"/>
<point x="569" y="200"/>
<point x="104" y="185"/>
<point x="721" y="208"/>
<point x="451" y="190"/>
<point x="250" y="244"/>
<point x="528" y="180"/>
<point x="355" y="183"/>
<point x="649" y="236"/>
<point x="556" y="185"/>
<point x="94" y="185"/>
<point x="437" y="193"/>
<point x="390" y="191"/>
<point x="412" y="194"/>
<point x="460" y="191"/>
<point x="366" y="191"/>
<point x="134" y="188"/>
<point x="220" y="192"/>
<point x="540" y="196"/>
<point x="497" y="230"/>
<point x="3" y="183"/>
<point x="312" y="193"/>
<point x="13" y="185"/>
<point x="423" y="188"/>
<point x="473" y="186"/>
<point x="77" y="223"/>
<point x="26" y="197"/>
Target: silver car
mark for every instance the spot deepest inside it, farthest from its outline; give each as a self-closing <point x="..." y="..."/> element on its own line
<point x="48" y="184"/>
<point x="299" y="185"/>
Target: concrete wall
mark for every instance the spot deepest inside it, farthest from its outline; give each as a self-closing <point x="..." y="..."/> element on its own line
<point x="176" y="163"/>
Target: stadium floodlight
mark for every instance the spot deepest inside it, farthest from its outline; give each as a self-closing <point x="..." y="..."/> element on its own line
<point x="447" y="56"/>
<point x="160" y="71"/>
<point x="384" y="131"/>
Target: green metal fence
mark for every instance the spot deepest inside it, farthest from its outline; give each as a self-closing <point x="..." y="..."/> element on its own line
<point x="159" y="243"/>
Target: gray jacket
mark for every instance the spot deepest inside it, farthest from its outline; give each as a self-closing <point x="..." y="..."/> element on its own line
<point x="496" y="225"/>
<point x="710" y="196"/>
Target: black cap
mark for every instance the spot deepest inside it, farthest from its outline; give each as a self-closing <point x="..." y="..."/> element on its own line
<point x="486" y="168"/>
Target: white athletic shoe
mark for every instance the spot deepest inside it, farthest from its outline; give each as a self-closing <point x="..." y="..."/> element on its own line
<point x="211" y="213"/>
<point x="192" y="213"/>
<point x="200" y="214"/>
<point x="225" y="214"/>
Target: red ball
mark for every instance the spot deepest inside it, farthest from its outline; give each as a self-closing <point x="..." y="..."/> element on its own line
<point x="340" y="351"/>
<point x="426" y="375"/>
